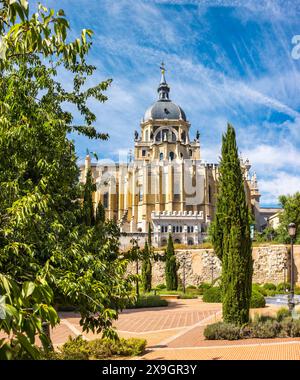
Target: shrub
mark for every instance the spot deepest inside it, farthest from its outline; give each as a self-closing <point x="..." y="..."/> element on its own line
<point x="188" y="296"/>
<point x="212" y="295"/>
<point x="75" y="349"/>
<point x="258" y="288"/>
<point x="295" y="330"/>
<point x="297" y="290"/>
<point x="203" y="286"/>
<point x="222" y="331"/>
<point x="269" y="286"/>
<point x="147" y="301"/>
<point x="282" y="313"/>
<point x="282" y="287"/>
<point x="191" y="287"/>
<point x="267" y="329"/>
<point x="161" y="286"/>
<point x="80" y="349"/>
<point x="105" y="348"/>
<point x="257" y="300"/>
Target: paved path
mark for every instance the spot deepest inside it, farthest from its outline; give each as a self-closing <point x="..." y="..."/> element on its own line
<point x="176" y="332"/>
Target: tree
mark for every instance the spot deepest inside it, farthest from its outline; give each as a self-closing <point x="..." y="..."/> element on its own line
<point x="290" y="214"/>
<point x="100" y="213"/>
<point x="46" y="251"/>
<point x="231" y="234"/>
<point x="146" y="268"/>
<point x="88" y="207"/>
<point x="171" y="266"/>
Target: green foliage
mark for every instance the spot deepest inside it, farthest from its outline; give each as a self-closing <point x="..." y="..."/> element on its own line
<point x="282" y="313"/>
<point x="47" y="251"/>
<point x="263" y="328"/>
<point x="269" y="286"/>
<point x="161" y="286"/>
<point x="213" y="294"/>
<point x="222" y="331"/>
<point x="80" y="349"/>
<point x="100" y="214"/>
<point x="171" y="266"/>
<point x="203" y="286"/>
<point x="230" y="233"/>
<point x="147" y="301"/>
<point x="266" y="329"/>
<point x="257" y="300"/>
<point x="283" y="287"/>
<point x="290" y="214"/>
<point x="146" y="269"/>
<point x="188" y="295"/>
<point x="88" y="206"/>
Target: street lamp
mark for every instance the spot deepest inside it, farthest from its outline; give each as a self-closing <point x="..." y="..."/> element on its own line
<point x="292" y="233"/>
<point x="183" y="279"/>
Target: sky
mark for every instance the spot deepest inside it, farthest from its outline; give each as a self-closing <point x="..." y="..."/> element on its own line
<point x="226" y="61"/>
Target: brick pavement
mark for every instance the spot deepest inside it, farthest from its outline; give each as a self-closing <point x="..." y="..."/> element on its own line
<point x="176" y="332"/>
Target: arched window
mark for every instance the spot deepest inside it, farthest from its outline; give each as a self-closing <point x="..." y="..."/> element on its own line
<point x="105" y="200"/>
<point x="165" y="133"/>
<point x="173" y="137"/>
<point x="192" y="229"/>
<point x="174" y="229"/>
<point x="190" y="242"/>
<point x="171" y="156"/>
<point x="183" y="136"/>
<point x="161" y="156"/>
<point x="140" y="194"/>
<point x="188" y="229"/>
<point x="158" y="137"/>
<point x="191" y="152"/>
<point x="180" y="228"/>
<point x="177" y="228"/>
<point x="209" y="194"/>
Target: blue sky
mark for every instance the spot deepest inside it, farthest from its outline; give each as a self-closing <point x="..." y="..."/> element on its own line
<point x="226" y="61"/>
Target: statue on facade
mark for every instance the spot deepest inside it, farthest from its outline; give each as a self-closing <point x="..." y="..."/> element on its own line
<point x="136" y="135"/>
<point x="197" y="135"/>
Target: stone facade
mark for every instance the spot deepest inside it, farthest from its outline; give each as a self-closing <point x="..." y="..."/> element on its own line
<point x="166" y="185"/>
<point x="270" y="264"/>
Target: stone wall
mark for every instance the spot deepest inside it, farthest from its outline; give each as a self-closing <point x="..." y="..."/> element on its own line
<point x="202" y="265"/>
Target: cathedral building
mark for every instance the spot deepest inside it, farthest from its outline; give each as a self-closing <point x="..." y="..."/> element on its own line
<point x="165" y="185"/>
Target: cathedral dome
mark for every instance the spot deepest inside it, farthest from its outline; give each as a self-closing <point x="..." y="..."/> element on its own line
<point x="164" y="108"/>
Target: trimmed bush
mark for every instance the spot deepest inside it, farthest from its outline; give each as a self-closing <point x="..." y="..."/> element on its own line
<point x="262" y="327"/>
<point x="204" y="286"/>
<point x="269" y="286"/>
<point x="191" y="287"/>
<point x="257" y="300"/>
<point x="212" y="295"/>
<point x="221" y="331"/>
<point x="267" y="329"/>
<point x="283" y="287"/>
<point x="282" y="313"/>
<point x="161" y="286"/>
<point x="188" y="296"/>
<point x="147" y="301"/>
<point x="79" y="349"/>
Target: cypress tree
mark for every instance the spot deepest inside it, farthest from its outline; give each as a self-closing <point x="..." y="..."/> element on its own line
<point x="100" y="214"/>
<point x="146" y="269"/>
<point x="88" y="207"/>
<point x="171" y="266"/>
<point x="231" y="234"/>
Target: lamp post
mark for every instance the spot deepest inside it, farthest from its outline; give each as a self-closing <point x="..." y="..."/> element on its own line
<point x="183" y="276"/>
<point x="292" y="233"/>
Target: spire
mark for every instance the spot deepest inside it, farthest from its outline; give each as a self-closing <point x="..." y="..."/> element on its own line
<point x="163" y="88"/>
